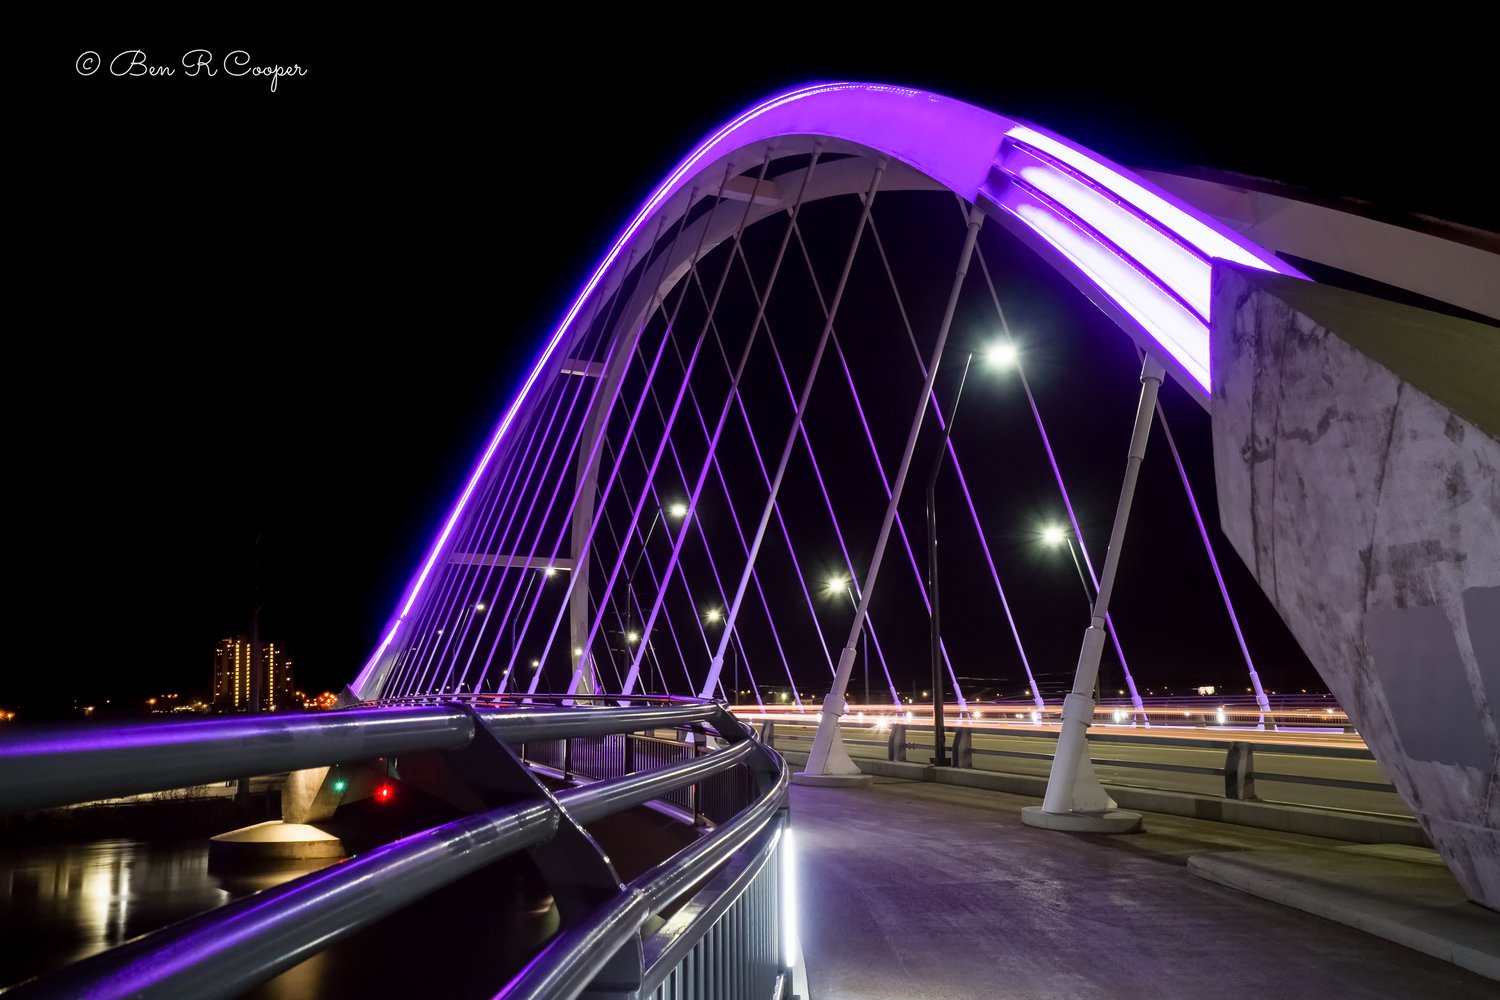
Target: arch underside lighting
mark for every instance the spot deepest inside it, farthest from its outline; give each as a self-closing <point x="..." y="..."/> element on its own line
<point x="1141" y="255"/>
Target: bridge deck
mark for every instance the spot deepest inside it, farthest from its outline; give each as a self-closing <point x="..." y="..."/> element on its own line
<point x="918" y="890"/>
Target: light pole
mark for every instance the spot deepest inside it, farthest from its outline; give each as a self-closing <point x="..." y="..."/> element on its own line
<point x="715" y="616"/>
<point x="1054" y="535"/>
<point x="676" y="509"/>
<point x="841" y="584"/>
<point x="999" y="356"/>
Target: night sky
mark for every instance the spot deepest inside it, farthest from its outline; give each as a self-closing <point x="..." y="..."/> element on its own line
<point x="296" y="316"/>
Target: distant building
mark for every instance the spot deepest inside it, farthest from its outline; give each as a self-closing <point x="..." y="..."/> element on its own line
<point x="232" y="666"/>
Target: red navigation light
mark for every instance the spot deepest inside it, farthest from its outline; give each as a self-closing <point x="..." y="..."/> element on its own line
<point x="383" y="793"/>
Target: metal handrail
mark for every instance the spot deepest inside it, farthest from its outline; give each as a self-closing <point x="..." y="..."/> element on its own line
<point x="225" y="950"/>
<point x="69" y="764"/>
<point x="573" y="958"/>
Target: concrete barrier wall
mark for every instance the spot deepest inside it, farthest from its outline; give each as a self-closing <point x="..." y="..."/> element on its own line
<point x="1358" y="473"/>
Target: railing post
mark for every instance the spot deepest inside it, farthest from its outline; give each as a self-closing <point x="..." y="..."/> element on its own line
<point x="768" y="733"/>
<point x="896" y="746"/>
<point x="1239" y="772"/>
<point x="567" y="757"/>
<point x="697" y="792"/>
<point x="629" y="753"/>
<point x="963" y="748"/>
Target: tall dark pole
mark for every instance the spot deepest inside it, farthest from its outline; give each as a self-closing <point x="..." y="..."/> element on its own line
<point x="257" y="683"/>
<point x="939" y="738"/>
<point x="864" y="641"/>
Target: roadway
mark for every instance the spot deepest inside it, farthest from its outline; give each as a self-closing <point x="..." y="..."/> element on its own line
<point x="1318" y="769"/>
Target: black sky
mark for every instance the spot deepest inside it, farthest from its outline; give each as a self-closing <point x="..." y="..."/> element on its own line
<point x="297" y="316"/>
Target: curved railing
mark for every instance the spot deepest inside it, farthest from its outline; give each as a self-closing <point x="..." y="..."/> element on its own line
<point x="731" y="874"/>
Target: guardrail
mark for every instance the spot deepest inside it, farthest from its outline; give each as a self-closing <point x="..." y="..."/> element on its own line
<point x="1238" y="771"/>
<point x="731" y="924"/>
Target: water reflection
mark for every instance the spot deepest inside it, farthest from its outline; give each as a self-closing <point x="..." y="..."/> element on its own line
<point x="60" y="903"/>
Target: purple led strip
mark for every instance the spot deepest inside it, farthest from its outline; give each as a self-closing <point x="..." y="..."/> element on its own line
<point x="963" y="483"/>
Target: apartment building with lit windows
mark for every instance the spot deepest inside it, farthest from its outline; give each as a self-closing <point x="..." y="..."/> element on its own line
<point x="232" y="666"/>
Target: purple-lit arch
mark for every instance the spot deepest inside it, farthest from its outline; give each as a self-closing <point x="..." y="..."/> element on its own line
<point x="1141" y="255"/>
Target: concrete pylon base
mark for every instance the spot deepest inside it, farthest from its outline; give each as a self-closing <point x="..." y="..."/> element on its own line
<point x="274" y="842"/>
<point x="1109" y="821"/>
<point x="833" y="780"/>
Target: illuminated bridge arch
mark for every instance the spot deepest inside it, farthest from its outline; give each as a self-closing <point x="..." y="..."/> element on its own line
<point x="628" y="470"/>
<point x="1140" y="254"/>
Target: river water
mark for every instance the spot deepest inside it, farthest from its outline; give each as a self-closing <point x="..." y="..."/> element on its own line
<point x="63" y="902"/>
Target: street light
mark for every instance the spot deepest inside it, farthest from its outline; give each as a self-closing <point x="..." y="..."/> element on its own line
<point x="1000" y="355"/>
<point x="997" y="356"/>
<point x="841" y="584"/>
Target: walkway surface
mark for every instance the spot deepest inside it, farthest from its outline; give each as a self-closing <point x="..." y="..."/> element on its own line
<point x="919" y="890"/>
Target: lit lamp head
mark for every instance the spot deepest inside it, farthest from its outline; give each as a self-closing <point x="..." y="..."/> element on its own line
<point x="1053" y="535"/>
<point x="632" y="637"/>
<point x="714" y="615"/>
<point x="836" y="585"/>
<point x="678" y="509"/>
<point x="551" y="571"/>
<point x="1001" y="355"/>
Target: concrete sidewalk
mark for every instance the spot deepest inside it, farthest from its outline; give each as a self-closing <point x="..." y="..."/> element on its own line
<point x="924" y="890"/>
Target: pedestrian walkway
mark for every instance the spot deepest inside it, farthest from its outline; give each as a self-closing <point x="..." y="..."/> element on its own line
<point x="919" y="890"/>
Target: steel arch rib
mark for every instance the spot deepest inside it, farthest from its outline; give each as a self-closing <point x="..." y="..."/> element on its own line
<point x="1142" y="255"/>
